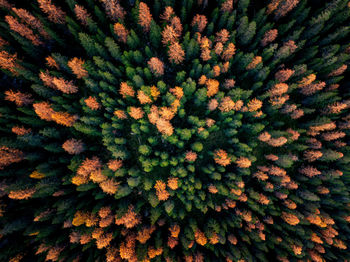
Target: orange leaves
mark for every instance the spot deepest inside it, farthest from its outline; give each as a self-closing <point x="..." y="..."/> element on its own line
<point x="290" y="218"/>
<point x="114" y="165"/>
<point x="307" y="80"/>
<point x="92" y="103"/>
<point x="227" y="6"/>
<point x="177" y="91"/>
<point x="335" y="108"/>
<point x="176" y="53"/>
<point x="121" y="32"/>
<point x="50" y="61"/>
<point x="144" y="234"/>
<point x="290" y="204"/>
<point x="156" y="66"/>
<point x="21" y="194"/>
<point x="167" y="14"/>
<point x="297" y="249"/>
<point x="221" y="157"/>
<point x="205" y="44"/>
<point x="20" y="130"/>
<point x="312" y="155"/>
<point x="269" y="37"/>
<point x="200" y="21"/>
<point x="95" y="176"/>
<point x="254" y="105"/>
<point x="63" y="118"/>
<point x="173" y="183"/>
<point x="283" y="75"/>
<point x="285" y="7"/>
<point x="143" y="98"/>
<point x="213" y="104"/>
<point x="127" y="250"/>
<point x="44" y="110"/>
<point x="161" y="192"/>
<point x="339" y="244"/>
<point x="169" y="35"/>
<point x="79" y="218"/>
<point x="114" y="10"/>
<point x="9" y="156"/>
<point x="5" y="4"/>
<point x="312" y="88"/>
<point x="309" y="171"/>
<point x="154" y="92"/>
<point x="31" y="20"/>
<point x="120" y="114"/>
<point x="340" y="70"/>
<point x="55" y="14"/>
<point x="76" y="64"/>
<point x="176" y="24"/>
<point x="316" y="129"/>
<point x="243" y="162"/>
<point x="212" y="189"/>
<point x="152" y="252"/>
<point x="287" y="49"/>
<point x="65" y="86"/>
<point x="200" y="238"/>
<point x="130" y="219"/>
<point x="229" y="52"/>
<point x="278" y="89"/>
<point x="88" y="167"/>
<point x="275" y="142"/>
<point x="136" y="112"/>
<point x="278" y="100"/>
<point x="19" y="98"/>
<point x="256" y="60"/>
<point x="227" y="104"/>
<point x="174" y="230"/>
<point x="214" y="239"/>
<point x="8" y="62"/>
<point x="164" y="126"/>
<point x="47" y="79"/>
<point x="202" y="80"/>
<point x="212" y="87"/>
<point x="191" y="156"/>
<point x="316" y="220"/>
<point x="330" y="136"/>
<point x="81" y="14"/>
<point x="145" y="16"/>
<point x="166" y="113"/>
<point x="222" y="36"/>
<point x="209" y="122"/>
<point x="109" y="186"/>
<point x="73" y="146"/>
<point x="126" y="90"/>
<point x="23" y="30"/>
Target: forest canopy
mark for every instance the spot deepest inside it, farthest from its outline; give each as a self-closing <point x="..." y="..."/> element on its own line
<point x="174" y="130"/>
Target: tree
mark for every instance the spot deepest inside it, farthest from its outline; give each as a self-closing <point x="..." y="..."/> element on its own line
<point x="9" y="156"/>
<point x="176" y="53"/>
<point x="121" y="32"/>
<point x="76" y="65"/>
<point x="156" y="66"/>
<point x="145" y="16"/>
<point x="22" y="29"/>
<point x="55" y="14"/>
<point x="19" y="98"/>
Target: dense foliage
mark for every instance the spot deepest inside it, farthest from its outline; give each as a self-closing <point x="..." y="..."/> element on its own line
<point x="165" y="130"/>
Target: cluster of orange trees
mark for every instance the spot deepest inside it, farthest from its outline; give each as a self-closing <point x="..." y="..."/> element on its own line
<point x="163" y="130"/>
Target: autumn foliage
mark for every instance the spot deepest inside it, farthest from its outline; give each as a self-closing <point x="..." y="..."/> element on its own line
<point x="188" y="130"/>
